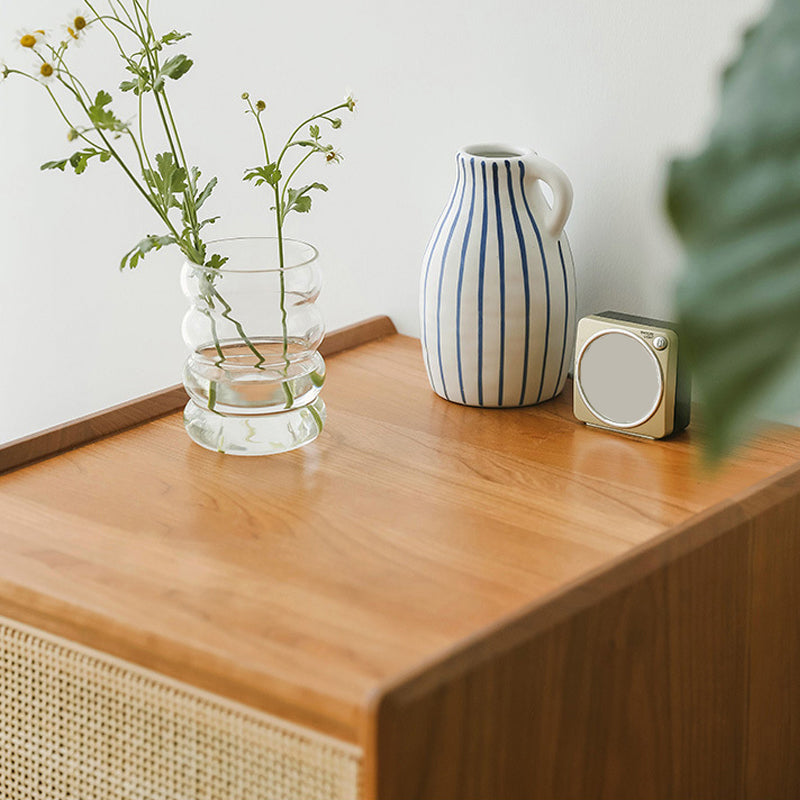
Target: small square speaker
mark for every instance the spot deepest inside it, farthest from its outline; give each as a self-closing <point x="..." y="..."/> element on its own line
<point x="629" y="376"/>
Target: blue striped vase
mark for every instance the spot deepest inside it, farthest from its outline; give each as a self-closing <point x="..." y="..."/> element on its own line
<point x="497" y="293"/>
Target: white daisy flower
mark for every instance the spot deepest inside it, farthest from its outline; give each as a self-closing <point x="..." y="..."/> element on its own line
<point x="76" y="28"/>
<point x="78" y="19"/>
<point x="30" y="39"/>
<point x="47" y="73"/>
<point x="70" y="36"/>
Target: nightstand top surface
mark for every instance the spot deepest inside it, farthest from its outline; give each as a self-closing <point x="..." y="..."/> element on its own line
<point x="301" y="583"/>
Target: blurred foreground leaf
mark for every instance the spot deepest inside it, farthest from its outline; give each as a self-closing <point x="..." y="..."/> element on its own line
<point x="736" y="206"/>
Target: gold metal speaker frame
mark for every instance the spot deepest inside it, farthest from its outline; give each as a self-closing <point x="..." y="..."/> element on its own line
<point x="611" y="423"/>
<point x="669" y="411"/>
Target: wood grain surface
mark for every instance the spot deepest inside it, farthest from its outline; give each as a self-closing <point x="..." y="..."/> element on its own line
<point x="157" y="404"/>
<point x="671" y="673"/>
<point x="304" y="583"/>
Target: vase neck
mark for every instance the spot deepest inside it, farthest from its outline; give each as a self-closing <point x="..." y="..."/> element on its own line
<point x="493" y="171"/>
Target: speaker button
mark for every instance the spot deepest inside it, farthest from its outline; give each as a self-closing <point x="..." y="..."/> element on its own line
<point x="660" y="343"/>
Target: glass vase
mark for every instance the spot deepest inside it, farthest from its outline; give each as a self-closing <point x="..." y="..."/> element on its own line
<point x="253" y="373"/>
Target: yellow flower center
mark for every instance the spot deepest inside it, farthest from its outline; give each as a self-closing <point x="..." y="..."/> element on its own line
<point x="28" y="40"/>
<point x="46" y="70"/>
<point x="80" y="23"/>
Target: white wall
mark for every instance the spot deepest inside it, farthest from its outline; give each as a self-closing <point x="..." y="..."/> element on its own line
<point x="607" y="89"/>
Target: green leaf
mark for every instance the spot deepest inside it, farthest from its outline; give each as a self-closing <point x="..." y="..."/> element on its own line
<point x="209" y="221"/>
<point x="173" y="36"/>
<point x="301" y="204"/>
<point x="135" y="254"/>
<point x="298" y="199"/>
<point x="169" y="180"/>
<point x="216" y="261"/>
<point x="176" y="67"/>
<point x="172" y="174"/>
<point x="103" y="118"/>
<point x="143" y="80"/>
<point x="314" y="131"/>
<point x="735" y="206"/>
<point x="103" y="98"/>
<point x="78" y="160"/>
<point x="55" y="164"/>
<point x="267" y="174"/>
<point x="204" y="195"/>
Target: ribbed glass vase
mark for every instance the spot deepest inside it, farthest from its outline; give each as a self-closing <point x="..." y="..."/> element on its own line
<point x="253" y="372"/>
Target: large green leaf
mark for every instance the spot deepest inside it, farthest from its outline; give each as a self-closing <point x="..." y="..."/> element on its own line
<point x="736" y="206"/>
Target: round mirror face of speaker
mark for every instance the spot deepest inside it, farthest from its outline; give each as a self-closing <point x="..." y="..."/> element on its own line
<point x="619" y="378"/>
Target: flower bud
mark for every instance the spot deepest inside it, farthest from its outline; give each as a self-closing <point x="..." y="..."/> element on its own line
<point x="245" y="95"/>
<point x="260" y="105"/>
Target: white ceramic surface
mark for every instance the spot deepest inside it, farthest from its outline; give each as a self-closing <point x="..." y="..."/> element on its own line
<point x="497" y="292"/>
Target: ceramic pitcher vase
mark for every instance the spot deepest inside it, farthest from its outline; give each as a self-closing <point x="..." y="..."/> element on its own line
<point x="497" y="292"/>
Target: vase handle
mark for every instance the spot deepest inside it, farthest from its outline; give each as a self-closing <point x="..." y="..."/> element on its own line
<point x="538" y="168"/>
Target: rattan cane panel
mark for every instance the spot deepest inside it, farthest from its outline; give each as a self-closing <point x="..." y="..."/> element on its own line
<point x="76" y="724"/>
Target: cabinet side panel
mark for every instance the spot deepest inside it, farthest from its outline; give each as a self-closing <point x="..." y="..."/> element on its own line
<point x="773" y="744"/>
<point x="682" y="682"/>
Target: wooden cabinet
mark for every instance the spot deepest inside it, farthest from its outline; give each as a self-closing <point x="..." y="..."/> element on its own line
<point x="431" y="601"/>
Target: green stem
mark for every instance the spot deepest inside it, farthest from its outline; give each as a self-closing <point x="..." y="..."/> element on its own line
<point x="307" y="122"/>
<point x="58" y="59"/>
<point x="165" y="219"/>
<point x="281" y="263"/>
<point x="176" y="146"/>
<point x="284" y="323"/>
<point x="28" y="76"/>
<point x="170" y="128"/>
<point x="315" y="415"/>
<point x="213" y="324"/>
<point x="145" y="34"/>
<point x="257" y="115"/>
<point x="226" y="314"/>
<point x="125" y="168"/>
<point x="137" y="7"/>
<point x="144" y="146"/>
<point x="101" y="18"/>
<point x="190" y="201"/>
<point x="152" y="63"/>
<point x="139" y="152"/>
<point x="127" y="14"/>
<point x="292" y="174"/>
<point x="175" y="132"/>
<point x="76" y="82"/>
<point x="81" y="135"/>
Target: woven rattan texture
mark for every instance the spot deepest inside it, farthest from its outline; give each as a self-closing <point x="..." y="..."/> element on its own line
<point x="76" y="725"/>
